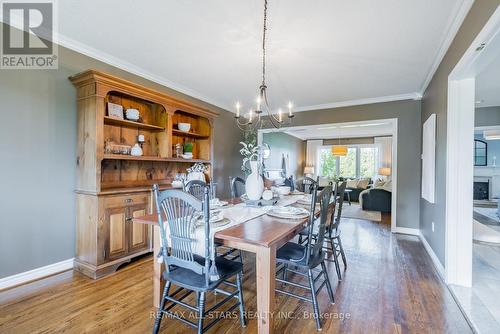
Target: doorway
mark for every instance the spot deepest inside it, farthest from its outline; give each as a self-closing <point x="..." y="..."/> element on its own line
<point x="346" y="130"/>
<point x="467" y="162"/>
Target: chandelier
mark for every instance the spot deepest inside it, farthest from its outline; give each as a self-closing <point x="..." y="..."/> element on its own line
<point x="253" y="120"/>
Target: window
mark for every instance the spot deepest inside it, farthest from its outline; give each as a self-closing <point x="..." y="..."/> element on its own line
<point x="348" y="163"/>
<point x="360" y="161"/>
<point x="327" y="163"/>
<point x="480" y="153"/>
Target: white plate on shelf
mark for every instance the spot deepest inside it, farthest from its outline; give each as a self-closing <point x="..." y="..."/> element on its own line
<point x="288" y="212"/>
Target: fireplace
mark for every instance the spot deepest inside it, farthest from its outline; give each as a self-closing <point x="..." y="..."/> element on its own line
<point x="482" y="188"/>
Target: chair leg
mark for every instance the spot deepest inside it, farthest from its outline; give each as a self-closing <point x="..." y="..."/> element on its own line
<point x="328" y="283"/>
<point x="240" y="255"/>
<point x="314" y="299"/>
<point x="159" y="313"/>
<point x="336" y="260"/>
<point x="201" y="311"/>
<point x="285" y="267"/>
<point x="243" y="321"/>
<point x="342" y="252"/>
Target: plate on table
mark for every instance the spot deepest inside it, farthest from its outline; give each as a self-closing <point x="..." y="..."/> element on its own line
<point x="216" y="216"/>
<point x="296" y="192"/>
<point x="305" y="200"/>
<point x="288" y="212"/>
<point x="217" y="203"/>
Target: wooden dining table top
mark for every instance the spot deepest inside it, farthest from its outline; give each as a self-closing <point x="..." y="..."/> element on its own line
<point x="263" y="230"/>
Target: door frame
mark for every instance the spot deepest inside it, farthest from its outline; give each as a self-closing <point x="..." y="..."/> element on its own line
<point x="394" y="176"/>
<point x="459" y="166"/>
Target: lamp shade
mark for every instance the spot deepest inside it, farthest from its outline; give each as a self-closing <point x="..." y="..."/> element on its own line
<point x="339" y="150"/>
<point x="385" y="171"/>
<point x="309" y="170"/>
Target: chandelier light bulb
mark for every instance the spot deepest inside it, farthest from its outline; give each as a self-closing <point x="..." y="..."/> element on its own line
<point x="238" y="106"/>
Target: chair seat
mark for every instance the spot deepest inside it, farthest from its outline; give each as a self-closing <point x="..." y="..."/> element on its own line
<point x="190" y="280"/>
<point x="293" y="253"/>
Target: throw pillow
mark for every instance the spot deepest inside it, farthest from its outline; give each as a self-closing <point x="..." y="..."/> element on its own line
<point x="378" y="183"/>
<point x="387" y="186"/>
<point x="363" y="183"/>
<point x="323" y="181"/>
<point x="352" y="184"/>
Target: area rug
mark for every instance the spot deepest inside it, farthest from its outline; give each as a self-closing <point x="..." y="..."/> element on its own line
<point x="483" y="233"/>
<point x="355" y="211"/>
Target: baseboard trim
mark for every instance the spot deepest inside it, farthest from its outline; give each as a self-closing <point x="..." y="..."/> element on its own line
<point x="406" y="230"/>
<point x="437" y="264"/>
<point x="31" y="275"/>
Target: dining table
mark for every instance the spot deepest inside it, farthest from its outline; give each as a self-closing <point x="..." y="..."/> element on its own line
<point x="261" y="235"/>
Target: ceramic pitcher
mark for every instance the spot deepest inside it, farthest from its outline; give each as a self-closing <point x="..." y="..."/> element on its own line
<point x="254" y="185"/>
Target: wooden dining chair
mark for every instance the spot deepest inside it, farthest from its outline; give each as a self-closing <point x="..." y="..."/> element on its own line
<point x="237" y="187"/>
<point x="332" y="241"/>
<point x="187" y="270"/>
<point x="196" y="188"/>
<point x="307" y="257"/>
<point x="333" y="233"/>
<point x="305" y="184"/>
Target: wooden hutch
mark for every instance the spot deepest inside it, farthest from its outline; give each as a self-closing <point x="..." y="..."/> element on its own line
<point x="111" y="189"/>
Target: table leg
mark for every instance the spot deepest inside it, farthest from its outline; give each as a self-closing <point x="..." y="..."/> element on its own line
<point x="158" y="268"/>
<point x="349" y="197"/>
<point x="266" y="269"/>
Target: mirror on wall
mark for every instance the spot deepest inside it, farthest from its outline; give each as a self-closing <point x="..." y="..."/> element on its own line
<point x="480" y="153"/>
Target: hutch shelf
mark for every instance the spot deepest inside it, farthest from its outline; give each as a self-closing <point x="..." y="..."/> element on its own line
<point x="111" y="189"/>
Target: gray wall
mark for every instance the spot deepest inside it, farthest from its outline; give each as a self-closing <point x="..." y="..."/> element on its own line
<point x="282" y="143"/>
<point x="435" y="101"/>
<point x="409" y="141"/>
<point x="38" y="150"/>
<point x="487" y="116"/>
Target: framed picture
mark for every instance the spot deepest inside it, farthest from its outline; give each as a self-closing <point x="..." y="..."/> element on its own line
<point x="115" y="110"/>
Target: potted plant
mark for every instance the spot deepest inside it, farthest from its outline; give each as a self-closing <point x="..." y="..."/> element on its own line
<point x="188" y="150"/>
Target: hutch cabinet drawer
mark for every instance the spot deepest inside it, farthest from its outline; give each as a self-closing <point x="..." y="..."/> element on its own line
<point x="113" y="201"/>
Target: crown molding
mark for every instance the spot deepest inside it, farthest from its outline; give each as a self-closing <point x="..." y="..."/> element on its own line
<point x="358" y="102"/>
<point x="133" y="69"/>
<point x="461" y="10"/>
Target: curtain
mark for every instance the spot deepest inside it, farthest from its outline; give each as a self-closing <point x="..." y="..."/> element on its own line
<point x="384" y="145"/>
<point x="312" y="148"/>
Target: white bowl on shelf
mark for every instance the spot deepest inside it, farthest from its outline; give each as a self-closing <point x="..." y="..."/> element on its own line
<point x="132" y="114"/>
<point x="177" y="184"/>
<point x="184" y="127"/>
<point x="187" y="156"/>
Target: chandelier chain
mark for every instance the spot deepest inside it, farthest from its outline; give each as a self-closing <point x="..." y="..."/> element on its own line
<point x="264" y="45"/>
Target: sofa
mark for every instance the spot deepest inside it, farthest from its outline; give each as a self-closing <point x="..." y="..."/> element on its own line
<point x="356" y="186"/>
<point x="376" y="199"/>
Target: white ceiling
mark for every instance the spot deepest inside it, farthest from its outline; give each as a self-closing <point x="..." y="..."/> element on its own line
<point x="321" y="53"/>
<point x="341" y="130"/>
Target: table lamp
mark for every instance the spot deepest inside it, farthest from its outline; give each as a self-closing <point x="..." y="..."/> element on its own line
<point x="308" y="171"/>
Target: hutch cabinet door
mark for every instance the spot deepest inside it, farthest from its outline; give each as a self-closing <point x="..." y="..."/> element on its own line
<point x="138" y="234"/>
<point x="116" y="236"/>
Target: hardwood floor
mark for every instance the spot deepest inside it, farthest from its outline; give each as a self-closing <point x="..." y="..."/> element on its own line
<point x="390" y="287"/>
